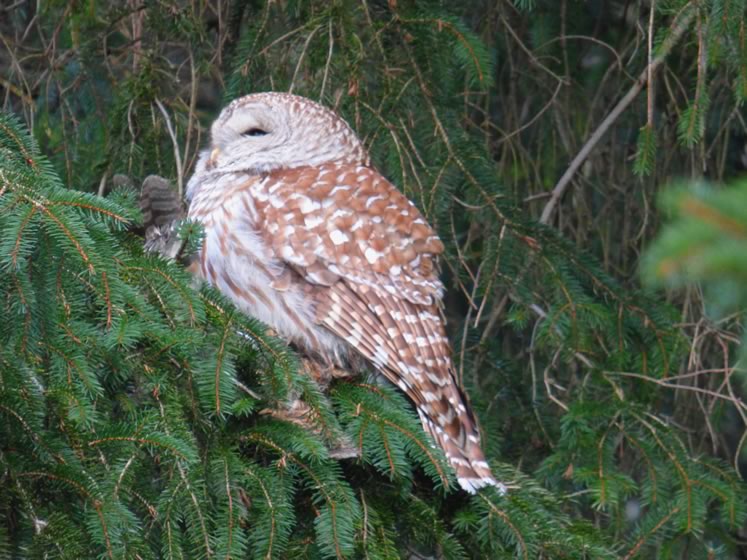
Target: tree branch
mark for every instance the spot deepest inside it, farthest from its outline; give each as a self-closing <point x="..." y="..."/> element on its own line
<point x="680" y="25"/>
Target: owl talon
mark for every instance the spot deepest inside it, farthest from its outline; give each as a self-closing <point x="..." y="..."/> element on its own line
<point x="324" y="374"/>
<point x="301" y="414"/>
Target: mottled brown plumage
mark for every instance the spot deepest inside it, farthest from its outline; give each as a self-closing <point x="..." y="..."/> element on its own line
<point x="304" y="234"/>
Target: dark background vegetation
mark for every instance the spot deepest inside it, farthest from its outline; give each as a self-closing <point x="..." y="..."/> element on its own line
<point x="535" y="135"/>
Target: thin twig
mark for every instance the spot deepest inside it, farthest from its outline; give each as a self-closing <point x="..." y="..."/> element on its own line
<point x="650" y="69"/>
<point x="329" y="60"/>
<point x="302" y="56"/>
<point x="192" y="106"/>
<point x="534" y="119"/>
<point x="736" y="401"/>
<point x="681" y="24"/>
<point x="532" y="58"/>
<point x="175" y="143"/>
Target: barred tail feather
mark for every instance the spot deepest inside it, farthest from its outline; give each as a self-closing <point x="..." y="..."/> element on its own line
<point x="408" y="345"/>
<point x="464" y="454"/>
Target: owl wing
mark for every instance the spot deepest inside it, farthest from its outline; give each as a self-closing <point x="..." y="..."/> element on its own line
<point x="162" y="208"/>
<point x="347" y="230"/>
<point x="348" y="221"/>
<point x="159" y="203"/>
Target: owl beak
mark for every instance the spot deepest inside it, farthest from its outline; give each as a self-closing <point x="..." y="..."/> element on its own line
<point x="213" y="160"/>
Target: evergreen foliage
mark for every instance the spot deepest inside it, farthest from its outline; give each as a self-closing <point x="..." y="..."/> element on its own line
<point x="139" y="414"/>
<point x="705" y="242"/>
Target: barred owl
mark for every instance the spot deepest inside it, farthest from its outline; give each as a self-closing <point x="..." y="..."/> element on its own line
<point x="304" y="234"/>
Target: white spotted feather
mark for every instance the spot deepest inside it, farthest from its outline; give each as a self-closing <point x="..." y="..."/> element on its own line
<point x="302" y="233"/>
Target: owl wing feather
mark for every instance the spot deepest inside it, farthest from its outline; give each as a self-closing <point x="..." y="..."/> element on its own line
<point x="162" y="209"/>
<point x="347" y="230"/>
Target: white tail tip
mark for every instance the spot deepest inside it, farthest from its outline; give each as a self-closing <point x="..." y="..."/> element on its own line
<point x="472" y="485"/>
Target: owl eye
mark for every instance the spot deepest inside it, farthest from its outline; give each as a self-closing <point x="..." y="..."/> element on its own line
<point x="254" y="132"/>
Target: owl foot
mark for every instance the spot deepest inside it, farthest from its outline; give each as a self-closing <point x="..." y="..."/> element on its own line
<point x="300" y="413"/>
<point x="323" y="374"/>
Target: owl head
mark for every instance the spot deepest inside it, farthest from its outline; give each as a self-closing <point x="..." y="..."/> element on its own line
<point x="264" y="132"/>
